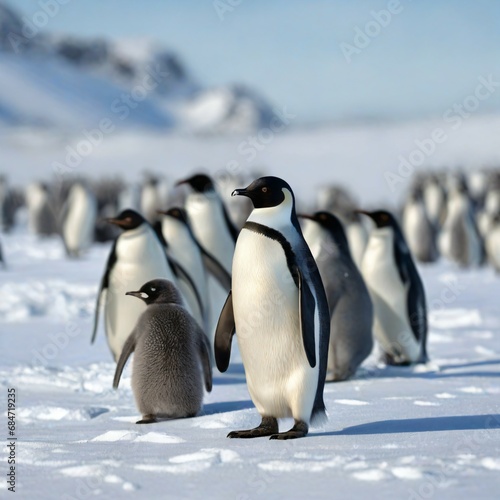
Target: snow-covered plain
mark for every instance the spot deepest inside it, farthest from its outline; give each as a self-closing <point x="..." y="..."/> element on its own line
<point x="424" y="432"/>
<point x="421" y="432"/>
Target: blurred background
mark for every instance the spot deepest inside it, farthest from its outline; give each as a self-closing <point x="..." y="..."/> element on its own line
<point x="344" y="91"/>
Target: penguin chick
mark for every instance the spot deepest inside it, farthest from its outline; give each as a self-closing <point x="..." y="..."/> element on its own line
<point x="171" y="360"/>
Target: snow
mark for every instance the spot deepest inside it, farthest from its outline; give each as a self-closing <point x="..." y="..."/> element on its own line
<point x="410" y="432"/>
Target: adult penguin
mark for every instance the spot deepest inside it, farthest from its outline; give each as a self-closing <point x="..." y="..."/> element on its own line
<point x="209" y="219"/>
<point x="397" y="293"/>
<point x="351" y="310"/>
<point x="137" y="256"/>
<point x="279" y="310"/>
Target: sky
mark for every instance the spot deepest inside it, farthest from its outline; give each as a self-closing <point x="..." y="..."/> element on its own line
<point x="417" y="61"/>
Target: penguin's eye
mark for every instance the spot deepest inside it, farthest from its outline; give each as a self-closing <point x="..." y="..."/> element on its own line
<point x="264" y="189"/>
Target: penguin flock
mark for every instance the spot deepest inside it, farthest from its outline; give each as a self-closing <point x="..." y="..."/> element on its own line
<point x="310" y="294"/>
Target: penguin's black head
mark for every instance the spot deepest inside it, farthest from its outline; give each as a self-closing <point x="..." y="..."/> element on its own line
<point x="265" y="192"/>
<point x="382" y="218"/>
<point x="127" y="220"/>
<point x="330" y="223"/>
<point x="176" y="213"/>
<point x="200" y="183"/>
<point x="158" y="292"/>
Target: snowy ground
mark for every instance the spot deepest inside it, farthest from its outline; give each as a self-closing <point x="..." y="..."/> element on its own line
<point x="432" y="432"/>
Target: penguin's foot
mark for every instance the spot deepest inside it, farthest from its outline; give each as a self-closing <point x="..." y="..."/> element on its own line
<point x="268" y="427"/>
<point x="147" y="419"/>
<point x="299" y="430"/>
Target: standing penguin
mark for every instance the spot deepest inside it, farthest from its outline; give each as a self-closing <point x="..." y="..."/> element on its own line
<point x="183" y="247"/>
<point x="418" y="229"/>
<point x="210" y="221"/>
<point x="171" y="360"/>
<point x="397" y="293"/>
<point x="459" y="240"/>
<point x="136" y="255"/>
<point x="351" y="310"/>
<point x="41" y="216"/>
<point x="279" y="310"/>
<point x="79" y="219"/>
<point x="435" y="200"/>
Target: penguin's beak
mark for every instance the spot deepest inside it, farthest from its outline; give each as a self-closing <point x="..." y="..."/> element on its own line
<point x="240" y="192"/>
<point x="139" y="295"/>
<point x="305" y="216"/>
<point x="161" y="212"/>
<point x="181" y="182"/>
<point x="116" y="222"/>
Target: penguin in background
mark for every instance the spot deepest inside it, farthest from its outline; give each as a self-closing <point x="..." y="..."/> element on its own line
<point x="279" y="311"/>
<point x="154" y="196"/>
<point x="434" y="198"/>
<point x="41" y="216"/>
<point x="397" y="293"/>
<point x="171" y="361"/>
<point x="137" y="255"/>
<point x="209" y="219"/>
<point x="351" y="310"/>
<point x="357" y="236"/>
<point x="418" y="229"/>
<point x="459" y="240"/>
<point x="79" y="220"/>
<point x="183" y="247"/>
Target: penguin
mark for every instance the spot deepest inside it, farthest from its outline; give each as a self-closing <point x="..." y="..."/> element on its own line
<point x="209" y="219"/>
<point x="493" y="243"/>
<point x="351" y="310"/>
<point x="79" y="219"/>
<point x="41" y="216"/>
<point x="171" y="360"/>
<point x="434" y="198"/>
<point x="279" y="311"/>
<point x="418" y="229"/>
<point x="397" y="293"/>
<point x="183" y="247"/>
<point x="459" y="240"/>
<point x="136" y="255"/>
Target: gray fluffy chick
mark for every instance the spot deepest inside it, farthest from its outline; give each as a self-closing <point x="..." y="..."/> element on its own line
<point x="171" y="358"/>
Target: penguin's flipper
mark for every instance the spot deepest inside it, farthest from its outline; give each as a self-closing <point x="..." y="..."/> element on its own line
<point x="204" y="350"/>
<point x="216" y="270"/>
<point x="182" y="275"/>
<point x="127" y="350"/>
<point x="307" y="306"/>
<point x="224" y="335"/>
<point x="103" y="286"/>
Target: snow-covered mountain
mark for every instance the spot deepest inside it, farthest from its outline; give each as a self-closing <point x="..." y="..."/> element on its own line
<point x="71" y="83"/>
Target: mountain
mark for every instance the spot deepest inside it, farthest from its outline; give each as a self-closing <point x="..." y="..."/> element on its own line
<point x="70" y="83"/>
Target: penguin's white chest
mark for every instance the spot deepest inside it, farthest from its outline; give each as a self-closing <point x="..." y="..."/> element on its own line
<point x="79" y="225"/>
<point x="140" y="258"/>
<point x="266" y="312"/>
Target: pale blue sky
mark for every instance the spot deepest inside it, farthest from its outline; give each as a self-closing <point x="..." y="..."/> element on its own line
<point x="428" y="57"/>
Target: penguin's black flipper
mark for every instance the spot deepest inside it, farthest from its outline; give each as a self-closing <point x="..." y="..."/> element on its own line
<point x="127" y="350"/>
<point x="103" y="286"/>
<point x="307" y="306"/>
<point x="2" y="260"/>
<point x="215" y="269"/>
<point x="204" y="349"/>
<point x="181" y="274"/>
<point x="224" y="335"/>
